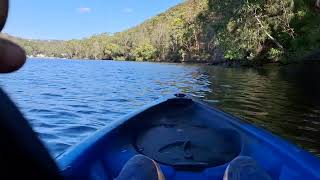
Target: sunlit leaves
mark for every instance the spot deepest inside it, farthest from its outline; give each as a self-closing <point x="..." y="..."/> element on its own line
<point x="250" y="24"/>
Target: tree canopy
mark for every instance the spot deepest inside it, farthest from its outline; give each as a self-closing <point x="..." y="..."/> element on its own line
<point x="198" y="30"/>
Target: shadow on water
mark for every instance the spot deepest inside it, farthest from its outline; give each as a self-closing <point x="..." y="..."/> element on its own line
<point x="285" y="100"/>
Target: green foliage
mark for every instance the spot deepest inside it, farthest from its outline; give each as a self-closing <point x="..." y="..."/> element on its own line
<point x="144" y="51"/>
<point x="307" y="30"/>
<point x="249" y="25"/>
<point x="233" y="54"/>
<point x="275" y="54"/>
<point x="246" y="30"/>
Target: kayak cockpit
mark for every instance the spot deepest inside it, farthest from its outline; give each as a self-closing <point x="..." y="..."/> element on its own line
<point x="178" y="137"/>
<point x="187" y="145"/>
<point x="189" y="140"/>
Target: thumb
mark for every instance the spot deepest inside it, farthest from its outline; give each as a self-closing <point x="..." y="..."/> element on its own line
<point x="3" y="12"/>
<point x="12" y="56"/>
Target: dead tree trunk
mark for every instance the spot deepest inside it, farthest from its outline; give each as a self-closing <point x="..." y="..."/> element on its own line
<point x="317" y="4"/>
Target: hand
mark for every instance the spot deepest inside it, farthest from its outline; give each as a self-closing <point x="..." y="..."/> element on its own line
<point x="12" y="56"/>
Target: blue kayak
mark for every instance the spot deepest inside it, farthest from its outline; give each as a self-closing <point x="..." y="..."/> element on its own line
<point x="189" y="140"/>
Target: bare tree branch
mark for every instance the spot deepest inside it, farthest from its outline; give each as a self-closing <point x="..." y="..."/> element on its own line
<point x="317" y="4"/>
<point x="267" y="33"/>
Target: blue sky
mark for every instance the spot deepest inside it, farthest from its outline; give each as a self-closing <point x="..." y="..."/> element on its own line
<point x="69" y="19"/>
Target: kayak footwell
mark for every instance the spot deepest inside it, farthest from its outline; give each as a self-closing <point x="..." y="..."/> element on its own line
<point x="189" y="140"/>
<point x="185" y="142"/>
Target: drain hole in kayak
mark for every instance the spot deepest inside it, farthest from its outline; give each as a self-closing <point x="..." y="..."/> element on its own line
<point x="189" y="147"/>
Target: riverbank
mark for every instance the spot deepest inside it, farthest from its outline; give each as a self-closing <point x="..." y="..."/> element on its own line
<point x="280" y="32"/>
<point x="311" y="58"/>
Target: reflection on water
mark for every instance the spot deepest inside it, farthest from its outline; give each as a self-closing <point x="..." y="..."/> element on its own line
<point x="285" y="100"/>
<point x="67" y="101"/>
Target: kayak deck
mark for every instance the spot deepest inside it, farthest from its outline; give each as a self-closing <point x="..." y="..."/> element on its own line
<point x="189" y="140"/>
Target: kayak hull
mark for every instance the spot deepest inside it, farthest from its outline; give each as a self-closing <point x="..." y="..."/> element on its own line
<point x="189" y="140"/>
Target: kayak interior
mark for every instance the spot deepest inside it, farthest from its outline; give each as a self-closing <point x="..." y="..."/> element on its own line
<point x="189" y="140"/>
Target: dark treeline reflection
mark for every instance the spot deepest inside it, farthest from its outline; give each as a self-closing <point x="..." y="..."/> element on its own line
<point x="285" y="100"/>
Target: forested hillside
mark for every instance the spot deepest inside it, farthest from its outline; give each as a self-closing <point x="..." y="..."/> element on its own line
<point x="254" y="31"/>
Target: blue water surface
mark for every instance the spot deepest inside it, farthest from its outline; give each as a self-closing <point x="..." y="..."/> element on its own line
<point x="67" y="100"/>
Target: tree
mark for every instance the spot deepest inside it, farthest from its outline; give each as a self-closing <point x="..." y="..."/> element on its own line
<point x="251" y="24"/>
<point x="144" y="51"/>
<point x="160" y="40"/>
<point x="112" y="51"/>
<point x="201" y="30"/>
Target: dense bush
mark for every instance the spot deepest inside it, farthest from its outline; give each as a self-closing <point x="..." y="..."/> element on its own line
<point x="247" y="30"/>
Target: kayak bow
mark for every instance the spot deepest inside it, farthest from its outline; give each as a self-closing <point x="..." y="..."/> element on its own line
<point x="190" y="140"/>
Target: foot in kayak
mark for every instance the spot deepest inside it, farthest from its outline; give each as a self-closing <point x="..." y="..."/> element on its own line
<point x="141" y="167"/>
<point x="244" y="167"/>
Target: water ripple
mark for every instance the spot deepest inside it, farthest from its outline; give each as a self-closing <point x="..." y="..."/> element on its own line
<point x="66" y="101"/>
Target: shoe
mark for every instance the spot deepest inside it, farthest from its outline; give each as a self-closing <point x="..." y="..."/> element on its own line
<point x="141" y="167"/>
<point x="245" y="168"/>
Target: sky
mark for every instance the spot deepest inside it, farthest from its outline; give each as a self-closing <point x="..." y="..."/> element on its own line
<point x="76" y="19"/>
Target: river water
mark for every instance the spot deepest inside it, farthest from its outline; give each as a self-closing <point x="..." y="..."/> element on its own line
<point x="65" y="101"/>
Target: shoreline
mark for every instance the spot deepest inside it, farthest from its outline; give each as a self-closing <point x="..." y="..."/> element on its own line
<point x="310" y="58"/>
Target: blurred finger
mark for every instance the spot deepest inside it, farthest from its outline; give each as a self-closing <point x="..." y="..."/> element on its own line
<point x="12" y="56"/>
<point x="3" y="12"/>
